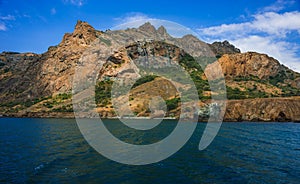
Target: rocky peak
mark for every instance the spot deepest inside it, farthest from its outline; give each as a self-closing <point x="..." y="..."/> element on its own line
<point x="84" y="34"/>
<point x="162" y="31"/>
<point x="221" y="48"/>
<point x="148" y="27"/>
<point x="83" y="27"/>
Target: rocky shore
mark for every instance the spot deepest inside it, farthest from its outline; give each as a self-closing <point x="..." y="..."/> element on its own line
<point x="249" y="110"/>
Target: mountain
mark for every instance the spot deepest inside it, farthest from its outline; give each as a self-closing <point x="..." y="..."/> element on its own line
<point x="259" y="88"/>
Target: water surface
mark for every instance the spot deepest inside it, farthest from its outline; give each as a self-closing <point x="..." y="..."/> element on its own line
<point x="54" y="151"/>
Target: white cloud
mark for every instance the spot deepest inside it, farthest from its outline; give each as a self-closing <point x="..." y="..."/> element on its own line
<point x="4" y="20"/>
<point x="7" y="17"/>
<point x="53" y="11"/>
<point x="277" y="6"/>
<point x="132" y="17"/>
<point x="2" y="27"/>
<point x="75" y="2"/>
<point x="278" y="24"/>
<point x="268" y="32"/>
<point x="269" y="22"/>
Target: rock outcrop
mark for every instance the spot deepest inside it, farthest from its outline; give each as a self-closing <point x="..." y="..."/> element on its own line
<point x="255" y="71"/>
<point x="221" y="48"/>
<point x="265" y="109"/>
<point x="249" y="64"/>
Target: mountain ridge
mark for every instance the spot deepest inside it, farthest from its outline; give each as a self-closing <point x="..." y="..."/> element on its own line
<point x="42" y="83"/>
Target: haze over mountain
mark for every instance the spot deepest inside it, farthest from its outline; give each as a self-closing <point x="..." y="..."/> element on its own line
<point x="41" y="84"/>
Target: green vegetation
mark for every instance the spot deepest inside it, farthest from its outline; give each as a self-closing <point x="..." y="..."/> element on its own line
<point x="246" y="78"/>
<point x="103" y="93"/>
<point x="235" y="93"/>
<point x="201" y="85"/>
<point x="68" y="108"/>
<point x="172" y="103"/>
<point x="26" y="104"/>
<point x="57" y="100"/>
<point x="63" y="96"/>
<point x="188" y="62"/>
<point x="279" y="81"/>
<point x="279" y="78"/>
<point x="143" y="80"/>
<point x="290" y="91"/>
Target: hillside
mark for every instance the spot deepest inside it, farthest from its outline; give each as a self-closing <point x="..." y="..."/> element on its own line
<point x="259" y="88"/>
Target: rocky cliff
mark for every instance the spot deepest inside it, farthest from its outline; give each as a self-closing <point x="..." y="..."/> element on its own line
<point x="41" y="84"/>
<point x="264" y="109"/>
<point x="29" y="76"/>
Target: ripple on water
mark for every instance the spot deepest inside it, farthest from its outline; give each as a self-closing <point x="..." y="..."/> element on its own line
<point x="54" y="151"/>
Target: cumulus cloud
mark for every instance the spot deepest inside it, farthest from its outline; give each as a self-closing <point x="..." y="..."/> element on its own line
<point x="269" y="23"/>
<point x="268" y="32"/>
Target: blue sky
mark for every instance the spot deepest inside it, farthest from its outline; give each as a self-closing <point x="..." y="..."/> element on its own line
<point x="269" y="26"/>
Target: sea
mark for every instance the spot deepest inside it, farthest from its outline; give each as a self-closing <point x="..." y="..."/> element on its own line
<point x="41" y="150"/>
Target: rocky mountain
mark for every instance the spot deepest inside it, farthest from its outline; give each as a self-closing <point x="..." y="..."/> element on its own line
<point x="221" y="48"/>
<point x="259" y="88"/>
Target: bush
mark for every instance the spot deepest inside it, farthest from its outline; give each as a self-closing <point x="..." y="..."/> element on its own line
<point x="189" y="63"/>
<point x="143" y="80"/>
<point x="249" y="93"/>
<point x="103" y="93"/>
<point x="63" y="108"/>
<point x="172" y="103"/>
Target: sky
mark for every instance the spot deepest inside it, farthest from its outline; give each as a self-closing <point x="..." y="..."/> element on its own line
<point x="265" y="26"/>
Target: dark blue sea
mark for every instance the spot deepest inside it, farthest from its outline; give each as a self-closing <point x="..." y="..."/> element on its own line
<point x="54" y="151"/>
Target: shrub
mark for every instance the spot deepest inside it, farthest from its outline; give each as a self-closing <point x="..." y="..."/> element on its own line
<point x="143" y="80"/>
<point x="172" y="103"/>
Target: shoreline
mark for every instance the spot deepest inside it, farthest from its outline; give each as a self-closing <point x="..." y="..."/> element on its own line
<point x="71" y="116"/>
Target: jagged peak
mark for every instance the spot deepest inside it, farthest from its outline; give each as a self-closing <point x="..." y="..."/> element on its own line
<point x="225" y="43"/>
<point x="83" y="34"/>
<point x="147" y="27"/>
<point x="220" y="48"/>
<point x="82" y="26"/>
<point x="162" y="30"/>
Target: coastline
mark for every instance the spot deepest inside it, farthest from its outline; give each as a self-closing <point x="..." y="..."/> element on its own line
<point x="70" y="115"/>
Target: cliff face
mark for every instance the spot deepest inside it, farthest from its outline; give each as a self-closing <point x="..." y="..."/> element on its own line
<point x="58" y="62"/>
<point x="273" y="109"/>
<point x="251" y="64"/>
<point x="30" y="76"/>
<point x="41" y="84"/>
<point x="255" y="75"/>
<point x="18" y="74"/>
